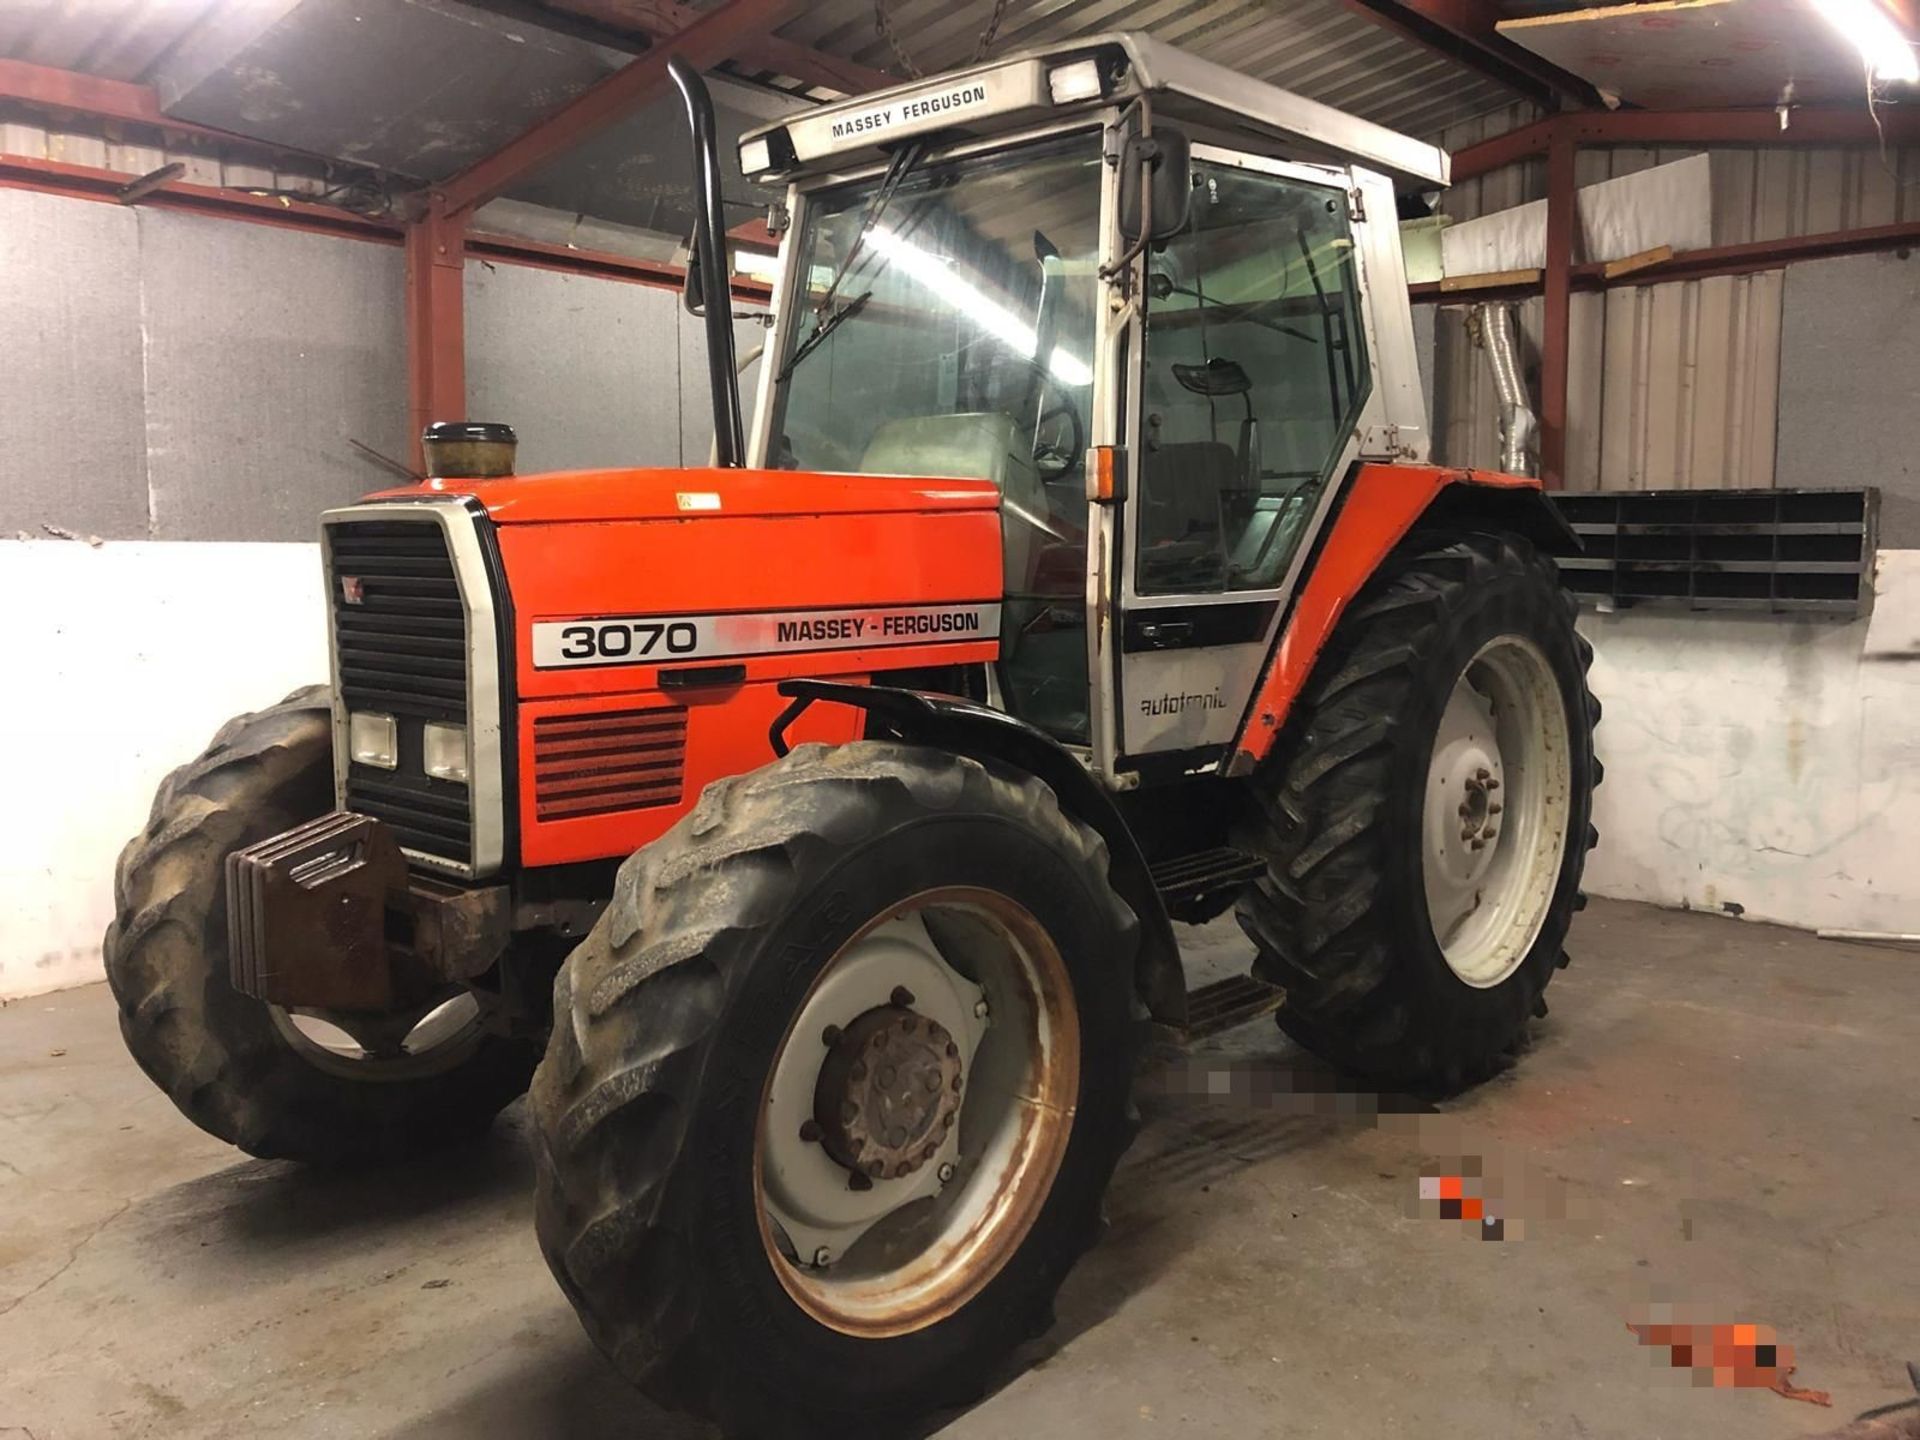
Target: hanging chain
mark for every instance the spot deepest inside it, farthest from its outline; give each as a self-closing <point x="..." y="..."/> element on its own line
<point x="993" y="28"/>
<point x="883" y="25"/>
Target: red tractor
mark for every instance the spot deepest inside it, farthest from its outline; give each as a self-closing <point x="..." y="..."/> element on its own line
<point x="825" y="813"/>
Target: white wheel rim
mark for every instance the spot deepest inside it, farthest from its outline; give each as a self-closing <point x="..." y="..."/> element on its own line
<point x="1495" y="816"/>
<point x="889" y="1254"/>
<point x="373" y="1048"/>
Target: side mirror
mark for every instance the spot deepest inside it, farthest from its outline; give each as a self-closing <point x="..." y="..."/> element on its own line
<point x="1219" y="376"/>
<point x="1160" y="161"/>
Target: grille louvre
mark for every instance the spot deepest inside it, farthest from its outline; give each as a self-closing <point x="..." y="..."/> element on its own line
<point x="604" y="763"/>
<point x="402" y="650"/>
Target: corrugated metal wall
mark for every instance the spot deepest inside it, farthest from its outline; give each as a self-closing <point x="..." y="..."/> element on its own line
<point x="1675" y="385"/>
<point x="1669" y="386"/>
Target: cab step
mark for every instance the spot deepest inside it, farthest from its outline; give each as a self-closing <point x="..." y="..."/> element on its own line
<point x="1228" y="1003"/>
<point x="1186" y="876"/>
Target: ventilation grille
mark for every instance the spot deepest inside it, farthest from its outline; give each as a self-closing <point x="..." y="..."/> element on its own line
<point x="1768" y="550"/>
<point x="403" y="640"/>
<point x="400" y="635"/>
<point x="613" y="761"/>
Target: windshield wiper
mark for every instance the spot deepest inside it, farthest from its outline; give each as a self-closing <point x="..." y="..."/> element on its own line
<point x="822" y="329"/>
<point x="825" y="317"/>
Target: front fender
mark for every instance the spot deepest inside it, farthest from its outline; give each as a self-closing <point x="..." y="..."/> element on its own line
<point x="987" y="734"/>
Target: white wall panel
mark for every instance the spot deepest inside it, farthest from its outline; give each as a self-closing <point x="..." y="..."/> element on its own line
<point x="121" y="662"/>
<point x="1769" y="766"/>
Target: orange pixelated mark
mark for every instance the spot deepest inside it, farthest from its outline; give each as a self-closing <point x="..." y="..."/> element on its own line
<point x="1736" y="1357"/>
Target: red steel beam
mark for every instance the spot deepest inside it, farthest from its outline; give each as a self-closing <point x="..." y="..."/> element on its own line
<point x="1562" y="236"/>
<point x="1463" y="31"/>
<point x="603" y="264"/>
<point x="436" y="324"/>
<point x="85" y="182"/>
<point x="42" y="85"/>
<point x="662" y="19"/>
<point x="1700" y="264"/>
<point x="717" y="34"/>
<point x="1806" y="125"/>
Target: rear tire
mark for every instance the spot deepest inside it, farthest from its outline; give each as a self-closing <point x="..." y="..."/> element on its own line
<point x="675" y="1019"/>
<point x="1344" y="918"/>
<point x="234" y="1066"/>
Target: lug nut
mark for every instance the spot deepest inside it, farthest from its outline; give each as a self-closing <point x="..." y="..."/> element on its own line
<point x="822" y="1258"/>
<point x="906" y="1023"/>
<point x="981" y="1010"/>
<point x="1479" y="844"/>
<point x="857" y="1181"/>
<point x="933" y="1082"/>
<point x="945" y="1172"/>
<point x="1493" y="809"/>
<point x="830" y="1035"/>
<point x="810" y="1131"/>
<point x="858" y="1072"/>
<point x="879" y="1042"/>
<point x="947" y="1120"/>
<point x="1493" y="784"/>
<point x="874" y="1167"/>
<point x="901" y="996"/>
<point x="1482" y="773"/>
<point x="953" y="1050"/>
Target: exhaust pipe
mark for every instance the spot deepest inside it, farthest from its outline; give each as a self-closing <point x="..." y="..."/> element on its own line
<point x="1517" y="420"/>
<point x="714" y="300"/>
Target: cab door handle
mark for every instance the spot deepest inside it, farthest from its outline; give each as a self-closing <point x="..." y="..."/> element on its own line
<point x="1166" y="634"/>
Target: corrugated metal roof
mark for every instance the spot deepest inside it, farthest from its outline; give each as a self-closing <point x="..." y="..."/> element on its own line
<point x="120" y="39"/>
<point x="1317" y="48"/>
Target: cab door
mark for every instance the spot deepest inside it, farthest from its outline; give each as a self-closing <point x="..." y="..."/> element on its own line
<point x="1254" y="373"/>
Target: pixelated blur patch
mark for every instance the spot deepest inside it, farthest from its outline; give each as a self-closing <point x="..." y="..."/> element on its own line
<point x="1455" y="1189"/>
<point x="1724" y="1356"/>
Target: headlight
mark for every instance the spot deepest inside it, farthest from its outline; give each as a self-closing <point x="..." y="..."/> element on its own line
<point x="756" y="157"/>
<point x="1077" y="81"/>
<point x="371" y="739"/>
<point x="444" y="751"/>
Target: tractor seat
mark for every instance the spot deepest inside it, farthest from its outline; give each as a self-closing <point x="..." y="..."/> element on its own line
<point x="1183" y="484"/>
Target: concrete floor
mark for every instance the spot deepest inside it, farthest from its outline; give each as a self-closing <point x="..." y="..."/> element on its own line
<point x="1722" y="1113"/>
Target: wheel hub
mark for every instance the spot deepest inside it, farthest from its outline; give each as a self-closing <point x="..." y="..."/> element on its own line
<point x="889" y="1091"/>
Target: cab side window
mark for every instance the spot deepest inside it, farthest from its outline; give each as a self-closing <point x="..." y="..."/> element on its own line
<point x="1255" y="373"/>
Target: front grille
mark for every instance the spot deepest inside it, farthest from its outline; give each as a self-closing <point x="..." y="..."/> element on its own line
<point x="400" y="642"/>
<point x="607" y="762"/>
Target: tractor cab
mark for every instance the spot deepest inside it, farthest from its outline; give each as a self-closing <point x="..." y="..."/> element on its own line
<point x="1160" y="305"/>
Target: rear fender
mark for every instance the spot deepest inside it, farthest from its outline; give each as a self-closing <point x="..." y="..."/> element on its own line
<point x="986" y="734"/>
<point x="1382" y="505"/>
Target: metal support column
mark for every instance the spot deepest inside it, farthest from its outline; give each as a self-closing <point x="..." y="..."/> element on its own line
<point x="436" y="321"/>
<point x="1562" y="236"/>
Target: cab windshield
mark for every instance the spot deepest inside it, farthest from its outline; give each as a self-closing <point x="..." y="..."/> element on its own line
<point x="959" y="340"/>
<point x="944" y="325"/>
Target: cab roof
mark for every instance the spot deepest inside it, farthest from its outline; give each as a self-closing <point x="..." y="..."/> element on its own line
<point x="1083" y="75"/>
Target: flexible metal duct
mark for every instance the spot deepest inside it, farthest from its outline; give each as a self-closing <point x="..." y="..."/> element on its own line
<point x="1517" y="420"/>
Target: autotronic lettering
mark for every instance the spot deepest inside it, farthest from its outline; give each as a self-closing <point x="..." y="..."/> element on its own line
<point x="924" y="108"/>
<point x="1179" y="704"/>
<point x="674" y="639"/>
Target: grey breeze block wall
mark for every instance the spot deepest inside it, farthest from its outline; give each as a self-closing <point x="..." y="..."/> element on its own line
<point x="177" y="377"/>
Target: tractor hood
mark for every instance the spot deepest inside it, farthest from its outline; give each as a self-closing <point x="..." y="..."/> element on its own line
<point x="675" y="494"/>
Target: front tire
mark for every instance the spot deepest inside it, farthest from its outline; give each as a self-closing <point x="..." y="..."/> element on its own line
<point x="729" y="1243"/>
<point x="247" y="1072"/>
<point x="1427" y="817"/>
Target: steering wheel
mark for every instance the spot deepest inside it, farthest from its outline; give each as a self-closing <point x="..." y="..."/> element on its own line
<point x="1059" y="440"/>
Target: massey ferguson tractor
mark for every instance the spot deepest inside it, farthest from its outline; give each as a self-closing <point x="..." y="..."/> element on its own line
<point x="808" y="830"/>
